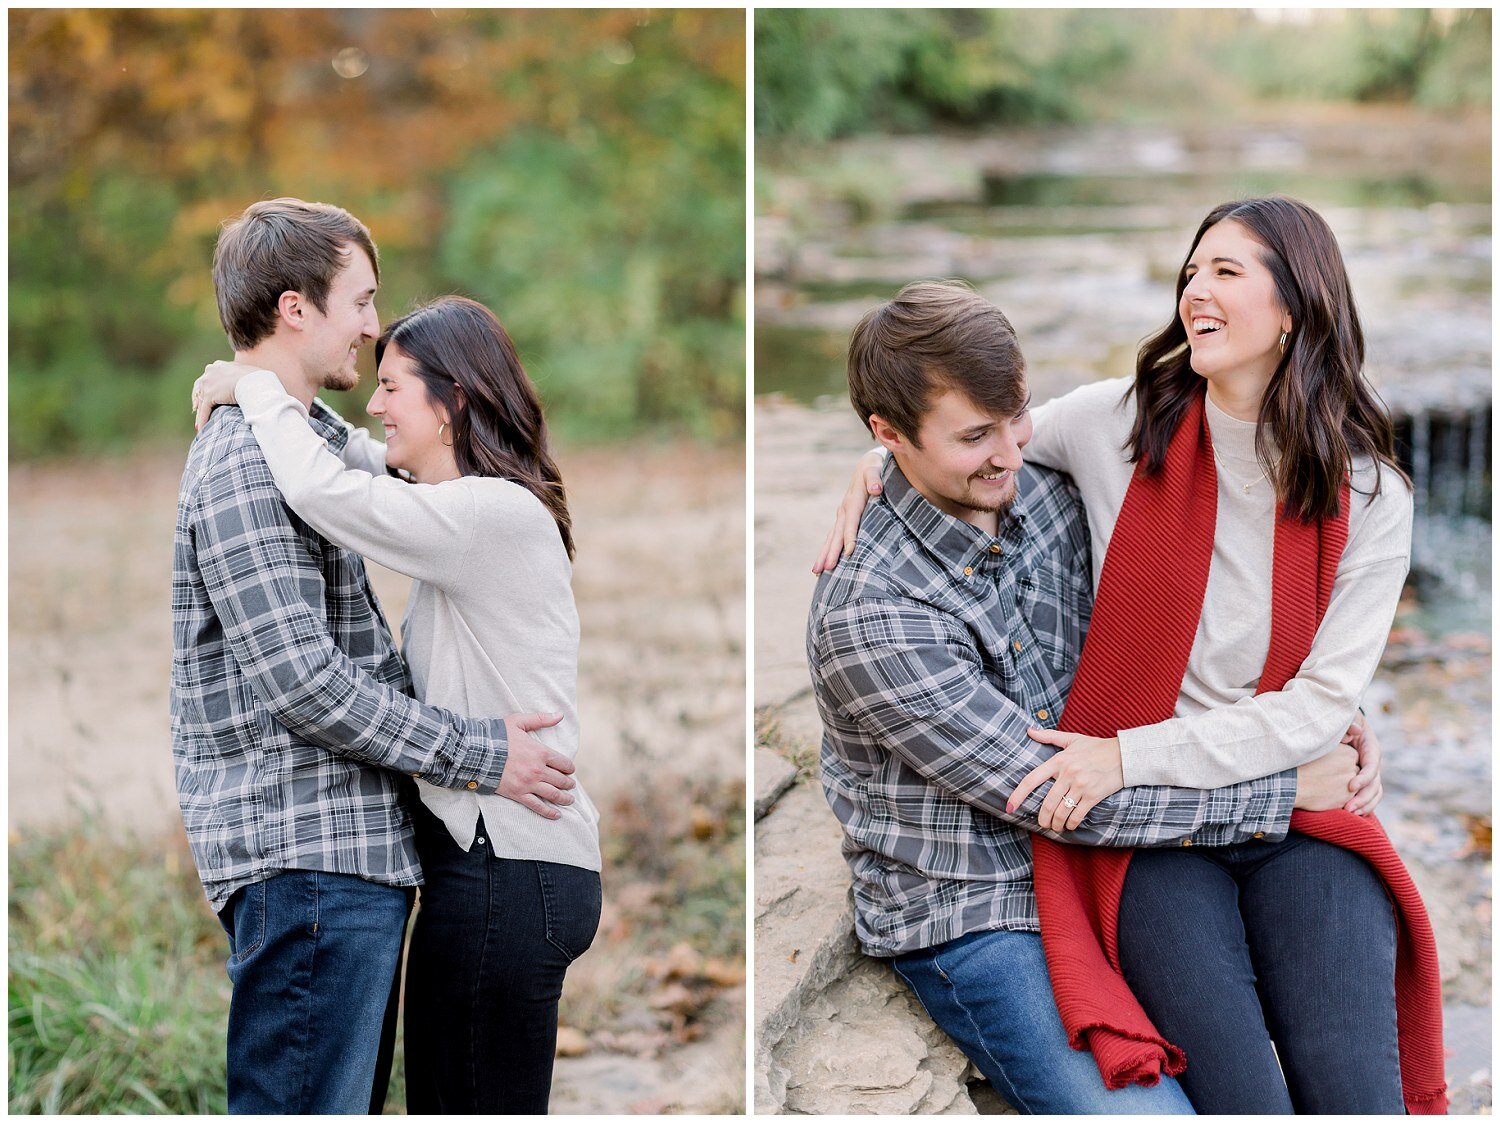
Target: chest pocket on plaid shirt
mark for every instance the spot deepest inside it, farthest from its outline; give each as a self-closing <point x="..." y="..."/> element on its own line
<point x="1055" y="604"/>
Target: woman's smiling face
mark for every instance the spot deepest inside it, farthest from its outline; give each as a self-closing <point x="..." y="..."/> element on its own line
<point x="1230" y="307"/>
<point x="415" y="426"/>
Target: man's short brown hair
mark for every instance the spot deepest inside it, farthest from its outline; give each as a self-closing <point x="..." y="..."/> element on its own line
<point x="934" y="335"/>
<point x="276" y="246"/>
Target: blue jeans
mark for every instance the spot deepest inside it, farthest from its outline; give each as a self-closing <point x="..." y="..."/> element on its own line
<point x="1231" y="949"/>
<point x="991" y="993"/>
<point x="314" y="959"/>
<point x="492" y="941"/>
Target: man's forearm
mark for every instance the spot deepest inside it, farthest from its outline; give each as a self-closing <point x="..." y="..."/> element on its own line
<point x="268" y="594"/>
<point x="1163" y="816"/>
<point x="343" y="709"/>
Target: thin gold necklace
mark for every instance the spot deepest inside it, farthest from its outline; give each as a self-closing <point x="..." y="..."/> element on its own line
<point x="1245" y="488"/>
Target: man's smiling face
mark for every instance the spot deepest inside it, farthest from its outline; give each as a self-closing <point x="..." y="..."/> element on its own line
<point x="332" y="338"/>
<point x="965" y="461"/>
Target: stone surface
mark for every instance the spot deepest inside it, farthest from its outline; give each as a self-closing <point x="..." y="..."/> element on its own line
<point x="803" y="460"/>
<point x="803" y="921"/>
<point x="865" y="1046"/>
<point x="774" y="774"/>
<point x="1468" y="1035"/>
<point x="836" y="1031"/>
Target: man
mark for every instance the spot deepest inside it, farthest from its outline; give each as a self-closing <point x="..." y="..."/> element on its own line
<point x="293" y="731"/>
<point x="953" y="627"/>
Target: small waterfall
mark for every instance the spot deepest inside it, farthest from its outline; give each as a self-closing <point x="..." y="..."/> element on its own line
<point x="1447" y="453"/>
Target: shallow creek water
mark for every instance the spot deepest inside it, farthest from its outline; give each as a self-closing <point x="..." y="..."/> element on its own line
<point x="1077" y="234"/>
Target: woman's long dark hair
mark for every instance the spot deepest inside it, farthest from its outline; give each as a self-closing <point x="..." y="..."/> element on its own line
<point x="1318" y="407"/>
<point x="469" y="366"/>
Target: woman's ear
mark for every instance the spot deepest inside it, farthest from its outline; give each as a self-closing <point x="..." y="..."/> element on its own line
<point x="459" y="401"/>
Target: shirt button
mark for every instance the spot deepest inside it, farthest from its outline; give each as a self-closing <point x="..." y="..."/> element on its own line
<point x="1016" y="644"/>
<point x="994" y="547"/>
<point x="1042" y="714"/>
<point x="472" y="784"/>
<point x="968" y="571"/>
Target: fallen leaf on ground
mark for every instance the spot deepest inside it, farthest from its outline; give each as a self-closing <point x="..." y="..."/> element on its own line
<point x="676" y="998"/>
<point x="723" y="973"/>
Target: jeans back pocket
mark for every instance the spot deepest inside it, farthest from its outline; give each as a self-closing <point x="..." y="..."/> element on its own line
<point x="572" y="897"/>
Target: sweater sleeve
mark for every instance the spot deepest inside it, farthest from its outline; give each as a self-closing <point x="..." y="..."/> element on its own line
<point x="1266" y="733"/>
<point x="361" y="450"/>
<point x="1048" y="446"/>
<point x="422" y="530"/>
<point x="1068" y="433"/>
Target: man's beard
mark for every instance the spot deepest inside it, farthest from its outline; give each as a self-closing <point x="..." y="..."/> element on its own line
<point x="971" y="502"/>
<point x="341" y="379"/>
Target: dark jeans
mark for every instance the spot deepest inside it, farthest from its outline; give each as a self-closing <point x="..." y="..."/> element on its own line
<point x="491" y="943"/>
<point x="991" y="993"/>
<point x="314" y="959"/>
<point x="1234" y="949"/>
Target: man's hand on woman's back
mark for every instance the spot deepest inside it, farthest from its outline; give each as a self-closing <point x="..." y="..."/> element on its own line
<point x="535" y="776"/>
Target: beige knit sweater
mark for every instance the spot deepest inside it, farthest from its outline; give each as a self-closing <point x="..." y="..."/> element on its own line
<point x="1222" y="732"/>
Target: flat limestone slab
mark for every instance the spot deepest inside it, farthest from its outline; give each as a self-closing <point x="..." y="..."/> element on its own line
<point x="774" y="774"/>
<point x="865" y="1046"/>
<point x="804" y="924"/>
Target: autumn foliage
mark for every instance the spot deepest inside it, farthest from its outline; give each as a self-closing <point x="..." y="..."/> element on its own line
<point x="580" y="171"/>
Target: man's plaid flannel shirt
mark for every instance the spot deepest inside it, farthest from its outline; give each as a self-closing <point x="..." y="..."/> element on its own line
<point x="293" y="730"/>
<point x="932" y="648"/>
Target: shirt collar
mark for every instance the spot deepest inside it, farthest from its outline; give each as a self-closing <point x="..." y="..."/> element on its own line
<point x="960" y="547"/>
<point x="325" y="423"/>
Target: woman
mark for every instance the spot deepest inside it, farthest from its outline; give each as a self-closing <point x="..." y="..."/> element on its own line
<point x="511" y="893"/>
<point x="1232" y="447"/>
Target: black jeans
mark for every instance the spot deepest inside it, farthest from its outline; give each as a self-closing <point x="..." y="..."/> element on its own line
<point x="492" y="940"/>
<point x="1231" y="949"/>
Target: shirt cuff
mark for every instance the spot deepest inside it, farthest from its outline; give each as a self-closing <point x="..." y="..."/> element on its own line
<point x="1267" y="817"/>
<point x="477" y="758"/>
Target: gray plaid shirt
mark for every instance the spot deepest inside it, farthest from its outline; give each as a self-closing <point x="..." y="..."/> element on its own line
<point x="293" y="731"/>
<point x="932" y="648"/>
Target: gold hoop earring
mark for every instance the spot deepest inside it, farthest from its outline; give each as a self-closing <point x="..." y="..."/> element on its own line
<point x="445" y="444"/>
<point x="1283" y="343"/>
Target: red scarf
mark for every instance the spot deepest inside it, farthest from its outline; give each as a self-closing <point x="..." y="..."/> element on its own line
<point x="1150" y="599"/>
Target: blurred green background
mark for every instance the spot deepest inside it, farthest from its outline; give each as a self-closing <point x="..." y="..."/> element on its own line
<point x="581" y="172"/>
<point x="821" y="74"/>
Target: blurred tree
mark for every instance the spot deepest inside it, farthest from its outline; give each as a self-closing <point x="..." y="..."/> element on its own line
<point x="822" y="73"/>
<point x="134" y="134"/>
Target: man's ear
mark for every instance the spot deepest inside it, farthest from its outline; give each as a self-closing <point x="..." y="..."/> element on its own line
<point x="887" y="434"/>
<point x="291" y="309"/>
